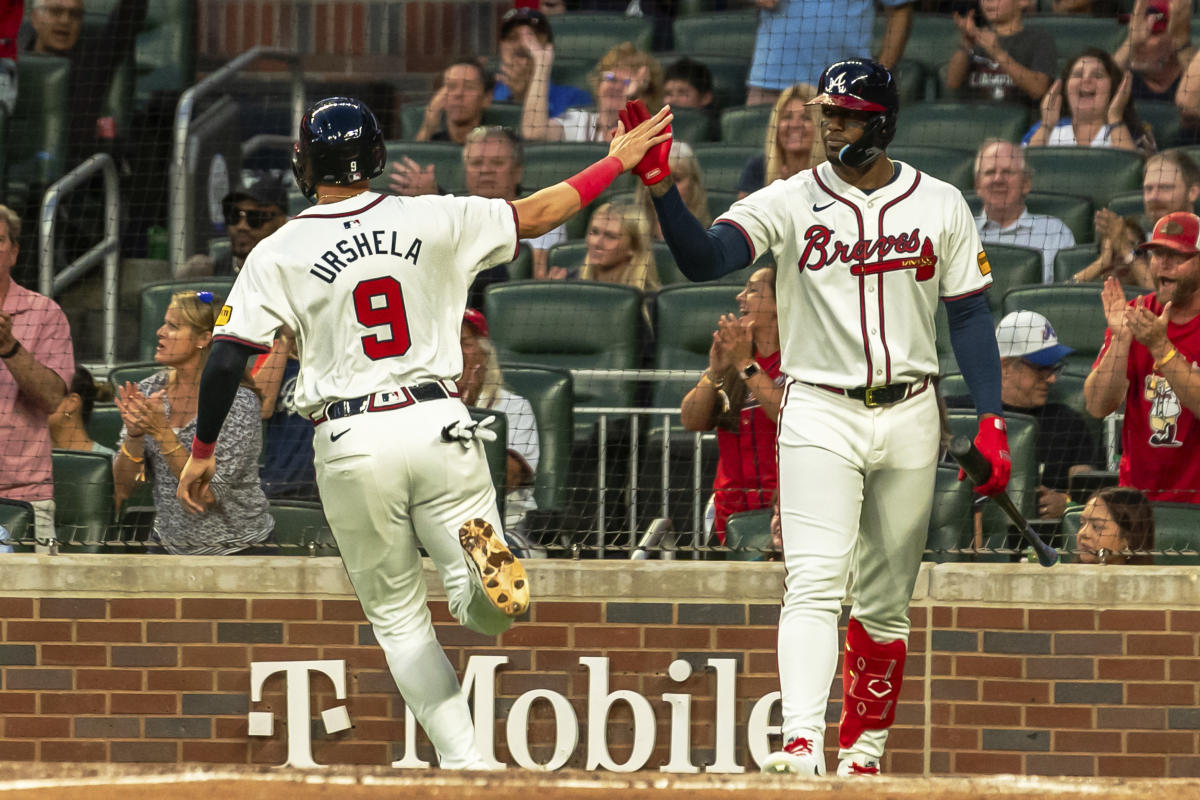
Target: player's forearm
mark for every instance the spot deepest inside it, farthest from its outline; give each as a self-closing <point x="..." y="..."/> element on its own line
<point x="701" y="255"/>
<point x="545" y="210"/>
<point x="218" y="387"/>
<point x="974" y="343"/>
<point x="1106" y="385"/>
<point x="895" y="35"/>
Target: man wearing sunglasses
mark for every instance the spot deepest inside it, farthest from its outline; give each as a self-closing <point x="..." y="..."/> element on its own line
<point x="252" y="213"/>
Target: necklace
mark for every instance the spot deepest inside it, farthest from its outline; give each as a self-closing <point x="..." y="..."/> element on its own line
<point x="329" y="198"/>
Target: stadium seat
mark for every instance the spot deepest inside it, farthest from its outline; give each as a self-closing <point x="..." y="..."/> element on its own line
<point x="729" y="78"/>
<point x="748" y="535"/>
<point x="1128" y="204"/>
<point x="1012" y="266"/>
<point x="664" y="264"/>
<point x="1075" y="312"/>
<point x="446" y="158"/>
<point x="572" y="71"/>
<point x="723" y="163"/>
<point x="1074" y="32"/>
<point x="1083" y="484"/>
<point x="157" y="296"/>
<point x="1070" y="260"/>
<point x="1163" y="118"/>
<point x="949" y="164"/>
<point x="719" y="201"/>
<point x="912" y="81"/>
<point x="569" y="255"/>
<point x="550" y="392"/>
<point x="411" y="115"/>
<point x="1022" y="485"/>
<point x="301" y="528"/>
<point x="135" y="371"/>
<point x="83" y="499"/>
<point x="1177" y="533"/>
<point x="931" y="42"/>
<point x="16" y="517"/>
<point x="549" y="163"/>
<point x="495" y="450"/>
<point x="521" y="268"/>
<point x="964" y="124"/>
<point x="36" y="141"/>
<point x="692" y="125"/>
<point x="166" y="46"/>
<point x="571" y="325"/>
<point x="950" y="528"/>
<point x="1094" y="172"/>
<point x="945" y="350"/>
<point x="685" y="318"/>
<point x="1075" y="211"/>
<point x="745" y="125"/>
<point x="589" y="35"/>
<point x="105" y="424"/>
<point x="729" y="33"/>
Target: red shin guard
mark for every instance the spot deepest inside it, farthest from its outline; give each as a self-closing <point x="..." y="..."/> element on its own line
<point x="871" y="677"/>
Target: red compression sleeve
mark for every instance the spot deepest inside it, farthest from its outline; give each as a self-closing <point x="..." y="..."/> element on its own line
<point x="201" y="450"/>
<point x="595" y="179"/>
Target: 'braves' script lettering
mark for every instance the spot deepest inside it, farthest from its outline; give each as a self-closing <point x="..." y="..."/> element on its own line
<point x="914" y="253"/>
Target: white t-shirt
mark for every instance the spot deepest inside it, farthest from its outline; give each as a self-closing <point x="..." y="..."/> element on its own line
<point x="522" y="443"/>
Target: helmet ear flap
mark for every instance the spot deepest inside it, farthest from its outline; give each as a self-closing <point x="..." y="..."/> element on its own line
<point x="871" y="144"/>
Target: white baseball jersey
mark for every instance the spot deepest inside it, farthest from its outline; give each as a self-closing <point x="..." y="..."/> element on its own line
<point x="374" y="287"/>
<point x="860" y="274"/>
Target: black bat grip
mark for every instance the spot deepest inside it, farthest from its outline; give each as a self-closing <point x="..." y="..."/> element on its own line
<point x="978" y="468"/>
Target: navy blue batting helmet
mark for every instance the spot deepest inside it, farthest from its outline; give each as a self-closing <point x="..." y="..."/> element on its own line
<point x="340" y="143"/>
<point x="860" y="84"/>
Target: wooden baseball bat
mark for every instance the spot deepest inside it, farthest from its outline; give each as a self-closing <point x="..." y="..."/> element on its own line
<point x="978" y="469"/>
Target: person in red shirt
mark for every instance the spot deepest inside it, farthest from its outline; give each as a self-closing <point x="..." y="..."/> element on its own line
<point x="1149" y="361"/>
<point x="739" y="395"/>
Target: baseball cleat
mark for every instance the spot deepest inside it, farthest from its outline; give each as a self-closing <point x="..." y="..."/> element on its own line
<point x="849" y="767"/>
<point x="796" y="758"/>
<point x="500" y="573"/>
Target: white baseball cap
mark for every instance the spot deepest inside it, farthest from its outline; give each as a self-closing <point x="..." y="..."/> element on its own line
<point x="1029" y="335"/>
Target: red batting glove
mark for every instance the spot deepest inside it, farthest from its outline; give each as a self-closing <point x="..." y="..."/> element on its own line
<point x="992" y="443"/>
<point x="655" y="165"/>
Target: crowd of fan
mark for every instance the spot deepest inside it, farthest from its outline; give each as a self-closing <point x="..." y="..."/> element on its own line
<point x="1003" y="57"/>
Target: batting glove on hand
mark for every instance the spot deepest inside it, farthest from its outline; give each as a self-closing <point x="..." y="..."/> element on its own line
<point x="655" y="165"/>
<point x="465" y="434"/>
<point x="992" y="444"/>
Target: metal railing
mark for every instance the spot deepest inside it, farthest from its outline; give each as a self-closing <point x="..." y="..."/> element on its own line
<point x="180" y="202"/>
<point x="105" y="250"/>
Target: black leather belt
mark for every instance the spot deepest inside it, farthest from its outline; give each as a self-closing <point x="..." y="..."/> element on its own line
<point x="385" y="401"/>
<point x="873" y="396"/>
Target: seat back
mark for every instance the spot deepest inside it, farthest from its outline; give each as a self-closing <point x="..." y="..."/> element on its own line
<point x="591" y="35"/>
<point x="301" y="528"/>
<point x="105" y="424"/>
<point x="745" y="125"/>
<point x="964" y="124"/>
<point x="668" y="271"/>
<point x="1094" y="172"/>
<point x="1177" y="533"/>
<point x="748" y="535"/>
<point x="931" y="42"/>
<point x="722" y="164"/>
<point x="692" y="125"/>
<point x="729" y="78"/>
<point x="1022" y="485"/>
<point x="157" y="296"/>
<point x="496" y="450"/>
<point x="412" y="114"/>
<point x="1076" y="212"/>
<point x="1128" y="204"/>
<point x="549" y="163"/>
<point x="1074" y="32"/>
<point x="951" y="164"/>
<point x="722" y="33"/>
<point x="134" y="371"/>
<point x="16" y="517"/>
<point x="1164" y="119"/>
<point x="446" y="158"/>
<point x="166" y="45"/>
<point x="551" y="393"/>
<point x="1075" y="312"/>
<point x="36" y="142"/>
<point x="685" y="318"/>
<point x="83" y="499"/>
<point x="950" y="528"/>
<point x="1012" y="266"/>
<point x="1070" y="260"/>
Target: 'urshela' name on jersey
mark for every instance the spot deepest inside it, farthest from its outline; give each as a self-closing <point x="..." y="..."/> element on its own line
<point x="361" y="245"/>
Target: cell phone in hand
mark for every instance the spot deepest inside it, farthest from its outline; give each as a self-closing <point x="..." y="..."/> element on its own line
<point x="964" y="7"/>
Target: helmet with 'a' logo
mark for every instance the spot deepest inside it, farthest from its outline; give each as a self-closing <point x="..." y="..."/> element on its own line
<point x="340" y="143"/>
<point x="860" y="84"/>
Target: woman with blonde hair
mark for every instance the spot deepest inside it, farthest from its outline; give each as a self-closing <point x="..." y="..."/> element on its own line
<point x="618" y="249"/>
<point x="159" y="416"/>
<point x="689" y="180"/>
<point x="623" y="73"/>
<point x="792" y="144"/>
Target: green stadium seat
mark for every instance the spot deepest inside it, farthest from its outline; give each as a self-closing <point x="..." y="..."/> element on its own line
<point x="1022" y="485"/>
<point x="1094" y="172"/>
<point x="685" y="318"/>
<point x="495" y="450"/>
<point x="16" y="517"/>
<point x="745" y="125"/>
<point x="729" y="78"/>
<point x="931" y="42"/>
<point x="1073" y="33"/>
<point x="166" y="46"/>
<point x="1177" y="533"/>
<point x="301" y="528"/>
<point x="953" y="165"/>
<point x="105" y="424"/>
<point x="551" y="394"/>
<point x="728" y="33"/>
<point x="507" y="115"/>
<point x="570" y="71"/>
<point x="946" y="361"/>
<point x="719" y="201"/>
<point x="134" y="371"/>
<point x="723" y="163"/>
<point x="412" y="114"/>
<point x="692" y="125"/>
<point x="1070" y="260"/>
<point x="36" y="139"/>
<point x="568" y="255"/>
<point x="521" y="268"/>
<point x="967" y="125"/>
<point x="1075" y="312"/>
<point x="549" y="163"/>
<point x="664" y="264"/>
<point x="589" y="35"/>
<point x="911" y="82"/>
<point x="1128" y="204"/>
<point x="1163" y="118"/>
<point x="1012" y="266"/>
<point x="446" y="158"/>
<point x="950" y="528"/>
<point x="570" y="325"/>
<point x="157" y="296"/>
<point x="83" y="499"/>
<point x="748" y="535"/>
<point x="1076" y="212"/>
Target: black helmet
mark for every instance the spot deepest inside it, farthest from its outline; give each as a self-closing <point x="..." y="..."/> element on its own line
<point x="340" y="143"/>
<point x="860" y="84"/>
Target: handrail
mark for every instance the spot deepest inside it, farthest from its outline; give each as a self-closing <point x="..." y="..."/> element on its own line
<point x="177" y="188"/>
<point x="50" y="284"/>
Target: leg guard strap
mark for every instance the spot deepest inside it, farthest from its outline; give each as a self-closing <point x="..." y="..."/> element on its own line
<point x="872" y="674"/>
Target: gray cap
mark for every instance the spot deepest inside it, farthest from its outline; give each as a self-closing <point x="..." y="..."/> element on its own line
<point x="261" y="187"/>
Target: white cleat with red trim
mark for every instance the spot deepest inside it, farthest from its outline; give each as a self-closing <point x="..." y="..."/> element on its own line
<point x="850" y="767"/>
<point x="798" y="757"/>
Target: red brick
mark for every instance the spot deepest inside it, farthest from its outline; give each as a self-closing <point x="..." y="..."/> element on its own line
<point x="37" y="727"/>
<point x="1160" y="644"/>
<point x="16" y="607"/>
<point x="216" y="752"/>
<point x="283" y="609"/>
<point x="212" y="608"/>
<point x="906" y="739"/>
<point x="1060" y="765"/>
<point x="990" y="618"/>
<point x="157" y="752"/>
<point x="989" y="763"/>
<point x="606" y="636"/>
<point x="988" y="666"/>
<point x="80" y="655"/>
<point x="1132" y="767"/>
<point x="1184" y="669"/>
<point x="954" y="738"/>
<point x="1086" y="741"/>
<point x="1164" y="742"/>
<point x="19" y="751"/>
<point x="457" y="636"/>
<point x="904" y="763"/>
<point x="1060" y="668"/>
<point x="568" y="612"/>
<point x="942" y="617"/>
<point x="1147" y="669"/>
<point x="234" y="727"/>
<point x="1133" y="620"/>
<point x="941" y="664"/>
<point x="760" y="663"/>
<point x="229" y="655"/>
<point x="109" y="632"/>
<point x="1131" y="718"/>
<point x="348" y="610"/>
<point x="202" y="632"/>
<point x="534" y="636"/>
<point x="644" y="662"/>
<point x="235" y="680"/>
<point x="687" y="638"/>
<point x="355" y="657"/>
<point x="740" y="638"/>
<point x="320" y="633"/>
<point x="561" y="660"/>
<point x="1159" y="694"/>
<point x="37" y="631"/>
<point x="283" y="652"/>
<point x="1058" y="717"/>
<point x="143" y="703"/>
<point x="180" y="680"/>
<point x="142" y="608"/>
<point x="72" y="608"/>
<point x="1026" y="692"/>
<point x="917" y="616"/>
<point x="72" y="703"/>
<point x="18" y="702"/>
<point x="1185" y="621"/>
<point x="74" y="751"/>
<point x="109" y="679"/>
<point x="1061" y="620"/>
<point x="945" y="689"/>
<point x="987" y="716"/>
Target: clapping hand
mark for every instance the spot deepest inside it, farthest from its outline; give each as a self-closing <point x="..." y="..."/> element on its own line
<point x="1148" y="328"/>
<point x="141" y="414"/>
<point x="409" y="179"/>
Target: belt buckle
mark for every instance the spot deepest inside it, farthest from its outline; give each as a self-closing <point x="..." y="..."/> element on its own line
<point x="869" y="396"/>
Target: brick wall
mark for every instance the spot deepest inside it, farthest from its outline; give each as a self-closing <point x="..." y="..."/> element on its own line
<point x="1016" y="685"/>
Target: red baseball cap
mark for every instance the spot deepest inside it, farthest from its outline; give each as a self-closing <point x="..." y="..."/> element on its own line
<point x="1178" y="231"/>
<point x="477" y="321"/>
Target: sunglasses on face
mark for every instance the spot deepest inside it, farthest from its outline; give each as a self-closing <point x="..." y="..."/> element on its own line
<point x="1044" y="372"/>
<point x="612" y="77"/>
<point x="254" y="217"/>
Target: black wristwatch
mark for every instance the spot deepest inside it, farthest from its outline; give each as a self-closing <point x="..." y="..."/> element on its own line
<point x="749" y="371"/>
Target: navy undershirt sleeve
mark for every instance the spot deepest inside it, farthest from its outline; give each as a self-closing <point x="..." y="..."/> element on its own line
<point x="218" y="386"/>
<point x="701" y="255"/>
<point x="974" y="341"/>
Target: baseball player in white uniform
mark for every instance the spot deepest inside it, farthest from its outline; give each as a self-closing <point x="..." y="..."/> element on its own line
<point x="866" y="248"/>
<point x="374" y="288"/>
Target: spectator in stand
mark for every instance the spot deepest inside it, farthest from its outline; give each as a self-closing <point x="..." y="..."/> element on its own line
<point x="1031" y="359"/>
<point x="482" y="385"/>
<point x="739" y="395"/>
<point x="623" y="73"/>
<point x="493" y="164"/>
<point x="1089" y="106"/>
<point x="618" y="250"/>
<point x="520" y="28"/>
<point x="797" y="39"/>
<point x="252" y="213"/>
<point x="457" y="106"/>
<point x="159" y="416"/>
<point x="1116" y="527"/>
<point x="685" y="169"/>
<point x="1157" y="48"/>
<point x="1002" y="61"/>
<point x="1149" y="361"/>
<point x="792" y="144"/>
<point x="688" y="83"/>
<point x="1002" y="180"/>
<point x="38" y="361"/>
<point x="1119" y="257"/>
<point x="68" y="423"/>
<point x="11" y="12"/>
<point x="287" y="470"/>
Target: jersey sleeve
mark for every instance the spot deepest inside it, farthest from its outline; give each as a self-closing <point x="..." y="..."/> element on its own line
<point x="965" y="268"/>
<point x="487" y="232"/>
<point x="758" y="217"/>
<point x="256" y="306"/>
